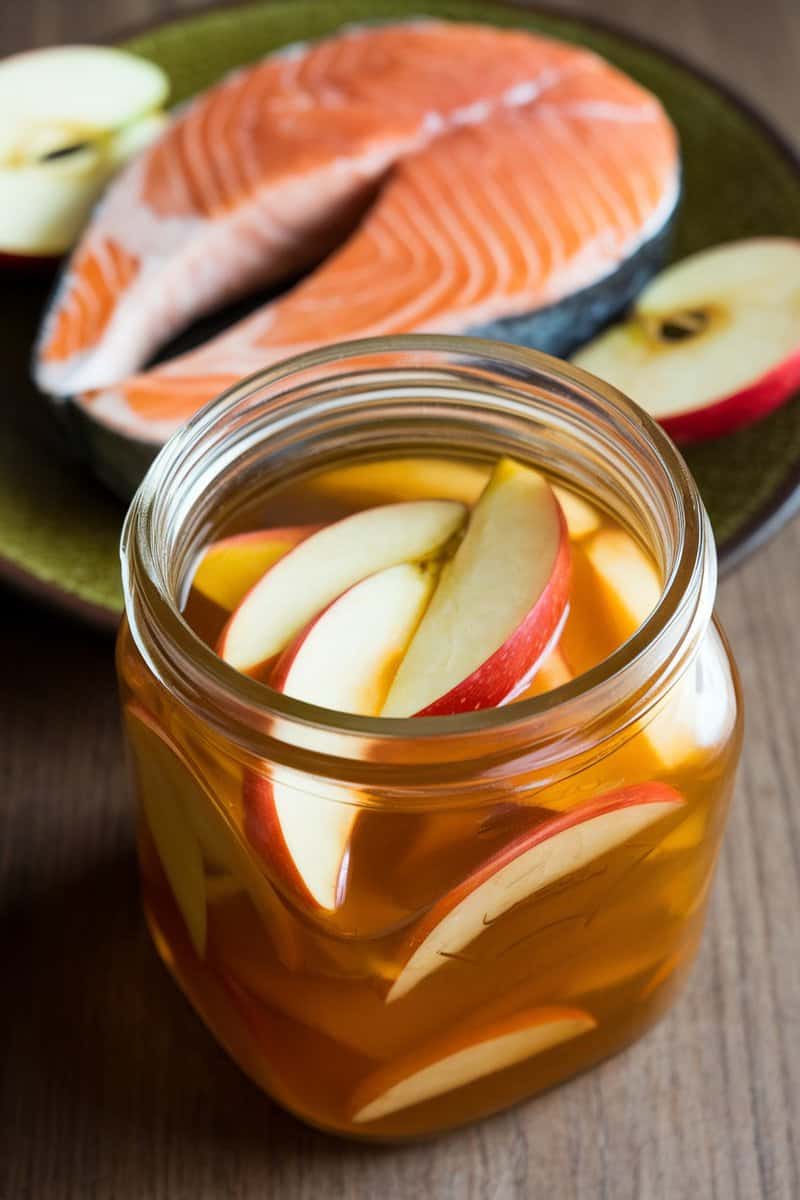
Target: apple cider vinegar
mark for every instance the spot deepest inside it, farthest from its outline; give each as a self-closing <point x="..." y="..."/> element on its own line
<point x="466" y="848"/>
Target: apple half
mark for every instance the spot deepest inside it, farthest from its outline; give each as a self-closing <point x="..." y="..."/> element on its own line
<point x="230" y="567"/>
<point x="462" y="1056"/>
<point x="344" y="660"/>
<point x="713" y="342"/>
<point x="520" y="870"/>
<point x="498" y="606"/>
<point x="72" y="115"/>
<point x="303" y="582"/>
<point x="698" y="713"/>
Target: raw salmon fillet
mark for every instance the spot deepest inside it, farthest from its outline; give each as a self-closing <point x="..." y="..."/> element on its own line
<point x="512" y="171"/>
<point x="255" y="179"/>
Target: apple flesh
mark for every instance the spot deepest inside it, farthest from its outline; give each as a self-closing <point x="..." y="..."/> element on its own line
<point x="582" y="518"/>
<point x="498" y="605"/>
<point x="345" y="661"/>
<point x="462" y="1056"/>
<point x="190" y="833"/>
<point x="713" y="343"/>
<point x="387" y="480"/>
<point x="230" y="567"/>
<point x="698" y="713"/>
<point x="302" y="583"/>
<point x="72" y="115"/>
<point x="162" y="780"/>
<point x="532" y="862"/>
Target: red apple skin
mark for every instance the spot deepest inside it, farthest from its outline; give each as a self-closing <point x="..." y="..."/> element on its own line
<point x="29" y="264"/>
<point x="635" y="794"/>
<point x="491" y="682"/>
<point x="743" y="408"/>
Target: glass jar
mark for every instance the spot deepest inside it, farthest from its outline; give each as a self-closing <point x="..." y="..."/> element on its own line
<point x="592" y="813"/>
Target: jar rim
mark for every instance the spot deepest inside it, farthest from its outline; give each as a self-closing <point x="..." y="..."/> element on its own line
<point x="256" y="715"/>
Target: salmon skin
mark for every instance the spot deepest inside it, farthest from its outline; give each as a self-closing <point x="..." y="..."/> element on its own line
<point x="472" y="179"/>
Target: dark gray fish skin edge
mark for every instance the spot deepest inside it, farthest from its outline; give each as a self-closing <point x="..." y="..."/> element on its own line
<point x="561" y="328"/>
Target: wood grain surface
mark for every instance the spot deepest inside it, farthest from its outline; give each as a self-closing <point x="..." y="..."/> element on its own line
<point x="110" y="1087"/>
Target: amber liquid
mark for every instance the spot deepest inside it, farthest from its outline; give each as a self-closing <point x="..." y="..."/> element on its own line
<point x="301" y="997"/>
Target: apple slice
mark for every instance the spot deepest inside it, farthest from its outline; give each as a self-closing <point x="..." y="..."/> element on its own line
<point x="532" y="862"/>
<point x="302" y="583"/>
<point x="189" y="831"/>
<point x="344" y="660"/>
<point x="71" y="116"/>
<point x="713" y="342"/>
<point x="464" y="1055"/>
<point x="699" y="711"/>
<point x="230" y="567"/>
<point x="162" y="782"/>
<point x="392" y="479"/>
<point x="582" y="517"/>
<point x="498" y="604"/>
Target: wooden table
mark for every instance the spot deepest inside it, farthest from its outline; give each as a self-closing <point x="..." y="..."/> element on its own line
<point x="113" y="1089"/>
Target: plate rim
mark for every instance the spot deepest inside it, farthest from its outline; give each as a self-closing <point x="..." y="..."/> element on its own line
<point x="775" y="513"/>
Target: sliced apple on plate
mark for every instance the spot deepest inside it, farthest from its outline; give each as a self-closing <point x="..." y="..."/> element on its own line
<point x="71" y="116"/>
<point x="548" y="852"/>
<point x="698" y="713"/>
<point x="499" y="603"/>
<point x="344" y="660"/>
<point x="463" y="1055"/>
<point x="302" y="583"/>
<point x="713" y="342"/>
<point x="230" y="567"/>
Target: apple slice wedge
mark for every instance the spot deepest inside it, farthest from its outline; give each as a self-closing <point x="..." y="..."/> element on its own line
<point x="345" y="661"/>
<point x="713" y="342"/>
<point x="498" y="605"/>
<point x="230" y="567"/>
<point x="462" y="1056"/>
<point x="162" y="779"/>
<point x="699" y="712"/>
<point x="582" y="518"/>
<point x="189" y="832"/>
<point x="302" y="583"/>
<point x="383" y="481"/>
<point x="532" y="862"/>
<point x="71" y="116"/>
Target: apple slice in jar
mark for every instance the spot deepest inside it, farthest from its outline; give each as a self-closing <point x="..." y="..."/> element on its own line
<point x="189" y="831"/>
<point x="383" y="481"/>
<point x="499" y="603"/>
<point x="713" y="342"/>
<point x="549" y="852"/>
<point x="582" y="518"/>
<point x="162" y="780"/>
<point x="698" y="713"/>
<point x="230" y="567"/>
<point x="344" y="660"/>
<point x="323" y="566"/>
<point x="462" y="1056"/>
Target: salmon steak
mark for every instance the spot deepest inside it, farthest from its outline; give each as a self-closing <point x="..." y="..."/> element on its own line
<point x="430" y="176"/>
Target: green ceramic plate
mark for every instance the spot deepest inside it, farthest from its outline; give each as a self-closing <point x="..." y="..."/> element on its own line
<point x="59" y="529"/>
